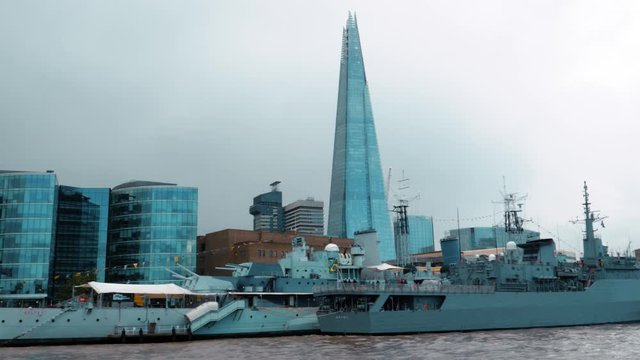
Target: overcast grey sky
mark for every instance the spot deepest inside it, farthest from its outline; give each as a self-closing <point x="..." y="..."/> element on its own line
<point x="229" y="96"/>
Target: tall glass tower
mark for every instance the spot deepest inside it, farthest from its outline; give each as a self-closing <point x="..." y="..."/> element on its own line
<point x="357" y="200"/>
<point x="81" y="233"/>
<point x="27" y="235"/>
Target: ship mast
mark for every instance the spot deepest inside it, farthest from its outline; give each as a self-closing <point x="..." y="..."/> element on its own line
<point x="592" y="246"/>
<point x="513" y="223"/>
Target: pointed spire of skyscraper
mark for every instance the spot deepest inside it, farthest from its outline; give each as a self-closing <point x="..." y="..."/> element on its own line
<point x="357" y="201"/>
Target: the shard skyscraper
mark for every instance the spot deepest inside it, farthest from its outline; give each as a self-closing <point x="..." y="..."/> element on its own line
<point x="357" y="200"/>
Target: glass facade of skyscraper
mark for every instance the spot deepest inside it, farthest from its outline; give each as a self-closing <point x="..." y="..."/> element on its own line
<point x="81" y="233"/>
<point x="420" y="237"/>
<point x="357" y="200"/>
<point x="152" y="228"/>
<point x="27" y="220"/>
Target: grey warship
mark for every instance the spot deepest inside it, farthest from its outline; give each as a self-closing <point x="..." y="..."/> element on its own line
<point x="526" y="287"/>
<point x="257" y="299"/>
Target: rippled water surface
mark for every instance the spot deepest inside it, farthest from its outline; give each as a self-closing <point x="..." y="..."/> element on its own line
<point x="599" y="342"/>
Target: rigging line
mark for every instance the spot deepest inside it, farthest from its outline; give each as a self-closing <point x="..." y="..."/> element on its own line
<point x="557" y="237"/>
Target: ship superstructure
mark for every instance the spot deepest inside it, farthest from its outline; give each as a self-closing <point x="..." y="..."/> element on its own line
<point x="526" y="286"/>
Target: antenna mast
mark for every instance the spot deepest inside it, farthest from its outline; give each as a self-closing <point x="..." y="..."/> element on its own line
<point x="401" y="224"/>
<point x="513" y="204"/>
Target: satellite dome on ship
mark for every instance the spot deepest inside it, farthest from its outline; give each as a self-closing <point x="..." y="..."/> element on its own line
<point x="332" y="247"/>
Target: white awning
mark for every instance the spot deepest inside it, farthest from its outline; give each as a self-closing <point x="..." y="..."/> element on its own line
<point x="161" y="289"/>
<point x="385" y="267"/>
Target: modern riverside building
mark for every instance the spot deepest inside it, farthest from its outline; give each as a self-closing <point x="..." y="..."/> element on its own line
<point x="305" y="217"/>
<point x="357" y="200"/>
<point x="267" y="210"/>
<point x="81" y="233"/>
<point x="475" y="238"/>
<point x="152" y="230"/>
<point x="27" y="235"/>
<point x="420" y="237"/>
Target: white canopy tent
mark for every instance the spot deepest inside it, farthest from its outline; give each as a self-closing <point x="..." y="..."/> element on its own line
<point x="160" y="289"/>
<point x="385" y="267"/>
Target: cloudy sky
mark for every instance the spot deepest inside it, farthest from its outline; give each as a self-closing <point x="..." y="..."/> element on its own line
<point x="230" y="96"/>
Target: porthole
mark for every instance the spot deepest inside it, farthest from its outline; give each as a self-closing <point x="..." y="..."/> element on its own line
<point x="68" y="320"/>
<point x="265" y="316"/>
<point x="296" y="314"/>
<point x="3" y="321"/>
<point x="37" y="320"/>
<point x="97" y="320"/>
<point x="251" y="317"/>
<point x="20" y="320"/>
<point x="53" y="320"/>
<point x="138" y="319"/>
<point x="158" y="319"/>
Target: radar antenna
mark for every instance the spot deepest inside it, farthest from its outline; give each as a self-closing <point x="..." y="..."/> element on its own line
<point x="513" y="206"/>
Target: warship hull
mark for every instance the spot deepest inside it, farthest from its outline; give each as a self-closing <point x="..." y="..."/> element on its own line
<point x="606" y="301"/>
<point x="54" y="325"/>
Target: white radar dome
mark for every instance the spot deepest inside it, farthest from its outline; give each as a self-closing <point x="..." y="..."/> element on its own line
<point x="331" y="247"/>
<point x="511" y="245"/>
<point x="492" y="257"/>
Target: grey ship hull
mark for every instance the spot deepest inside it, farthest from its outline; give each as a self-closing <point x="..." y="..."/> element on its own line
<point x="606" y="301"/>
<point x="55" y="325"/>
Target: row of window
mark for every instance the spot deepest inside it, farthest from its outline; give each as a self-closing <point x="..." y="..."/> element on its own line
<point x="163" y="206"/>
<point x="26" y="225"/>
<point x="26" y="210"/>
<point x="25" y="240"/>
<point x="24" y="256"/>
<point x="29" y="196"/>
<point x="145" y="220"/>
<point x="132" y="248"/>
<point x="150" y="193"/>
<point x="24" y="271"/>
<point x="27" y="181"/>
<point x="89" y="229"/>
<point x="33" y="286"/>
<point x="153" y="259"/>
<point x="154" y="233"/>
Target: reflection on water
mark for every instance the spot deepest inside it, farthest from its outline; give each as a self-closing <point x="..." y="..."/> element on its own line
<point x="601" y="342"/>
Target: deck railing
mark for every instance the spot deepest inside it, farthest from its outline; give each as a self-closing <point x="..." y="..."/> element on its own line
<point x="403" y="288"/>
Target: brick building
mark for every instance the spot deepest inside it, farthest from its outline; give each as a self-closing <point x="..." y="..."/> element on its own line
<point x="232" y="246"/>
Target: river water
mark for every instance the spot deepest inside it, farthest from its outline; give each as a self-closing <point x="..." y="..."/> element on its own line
<point x="586" y="342"/>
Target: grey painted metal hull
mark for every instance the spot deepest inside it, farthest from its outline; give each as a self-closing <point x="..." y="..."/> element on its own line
<point x="54" y="325"/>
<point x="606" y="301"/>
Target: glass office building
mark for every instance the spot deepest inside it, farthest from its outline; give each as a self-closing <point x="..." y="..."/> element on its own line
<point x="81" y="233"/>
<point x="357" y="199"/>
<point x="27" y="228"/>
<point x="420" y="237"/>
<point x="152" y="229"/>
<point x="267" y="211"/>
